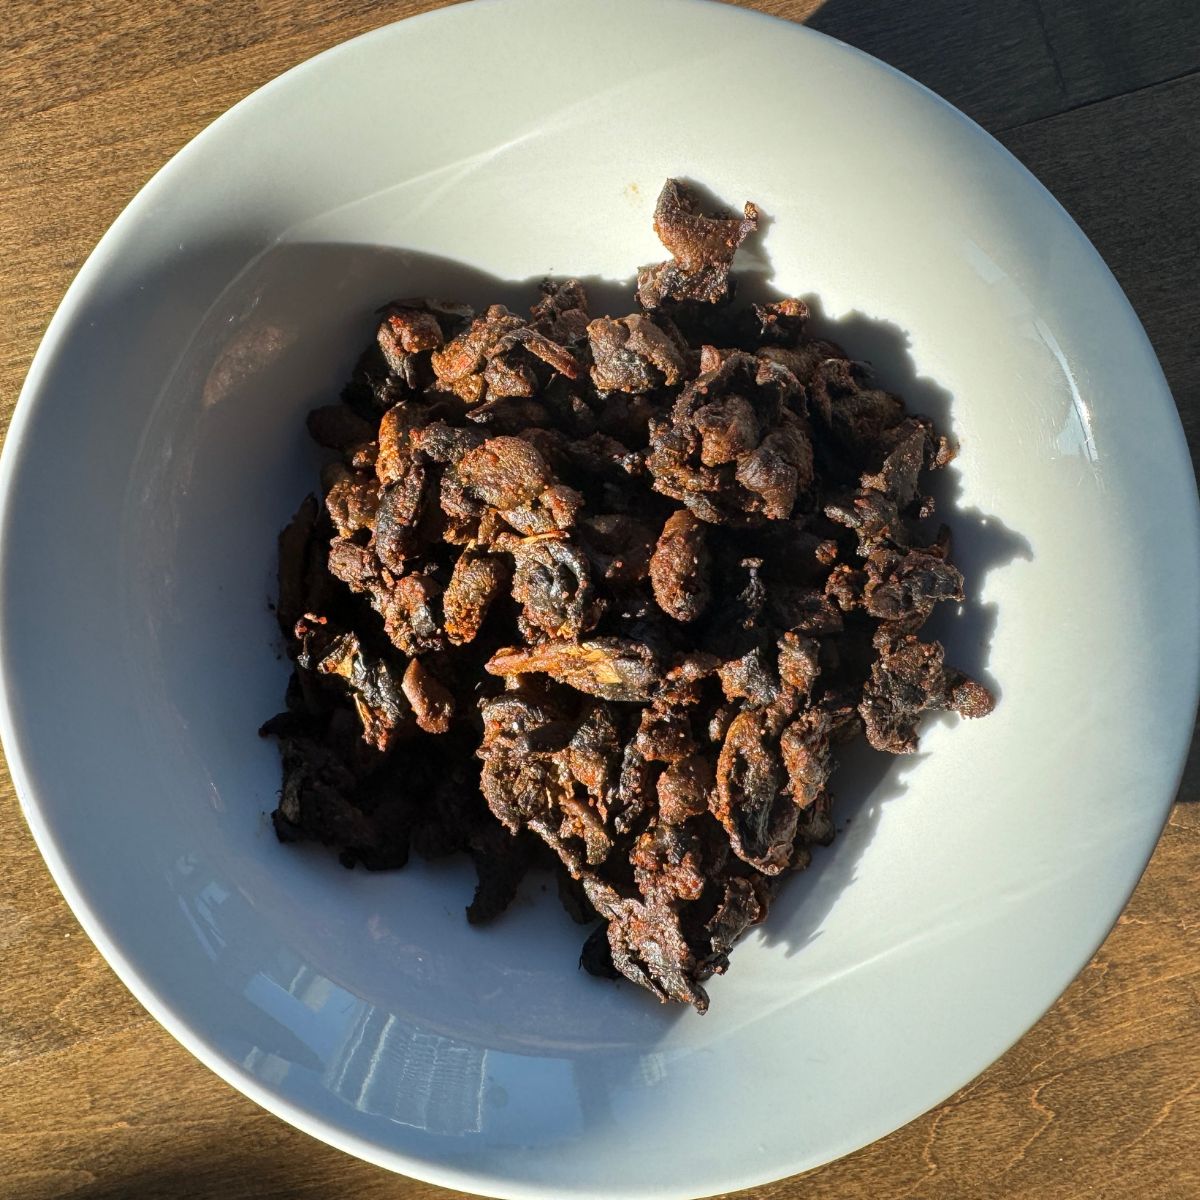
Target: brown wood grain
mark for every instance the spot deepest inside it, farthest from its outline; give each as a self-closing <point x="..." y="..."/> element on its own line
<point x="1102" y="1097"/>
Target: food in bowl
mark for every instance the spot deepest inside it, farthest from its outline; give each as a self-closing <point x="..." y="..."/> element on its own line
<point x="606" y="594"/>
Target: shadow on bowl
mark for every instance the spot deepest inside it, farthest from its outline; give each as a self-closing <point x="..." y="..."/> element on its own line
<point x="426" y="993"/>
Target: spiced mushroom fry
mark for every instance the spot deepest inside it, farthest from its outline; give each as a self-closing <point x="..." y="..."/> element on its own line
<point x="607" y="594"/>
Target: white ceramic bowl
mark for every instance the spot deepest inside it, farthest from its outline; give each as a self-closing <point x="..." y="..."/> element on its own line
<point x="159" y="446"/>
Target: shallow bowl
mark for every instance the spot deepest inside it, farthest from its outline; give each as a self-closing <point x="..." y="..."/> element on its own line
<point x="159" y="446"/>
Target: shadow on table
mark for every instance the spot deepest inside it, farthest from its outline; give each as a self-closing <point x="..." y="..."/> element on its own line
<point x="1189" y="785"/>
<point x="994" y="62"/>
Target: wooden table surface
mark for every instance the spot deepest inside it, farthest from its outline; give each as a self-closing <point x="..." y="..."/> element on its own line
<point x="1101" y="99"/>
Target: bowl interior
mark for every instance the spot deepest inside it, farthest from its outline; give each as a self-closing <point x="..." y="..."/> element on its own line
<point x="161" y="447"/>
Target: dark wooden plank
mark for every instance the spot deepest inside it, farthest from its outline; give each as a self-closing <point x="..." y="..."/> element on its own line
<point x="991" y="60"/>
<point x="1109" y="47"/>
<point x="1005" y="64"/>
<point x="1128" y="171"/>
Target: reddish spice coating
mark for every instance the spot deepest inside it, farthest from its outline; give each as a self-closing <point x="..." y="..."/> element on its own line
<point x="681" y="566"/>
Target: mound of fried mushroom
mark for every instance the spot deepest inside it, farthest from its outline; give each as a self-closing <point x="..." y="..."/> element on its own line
<point x="607" y="594"/>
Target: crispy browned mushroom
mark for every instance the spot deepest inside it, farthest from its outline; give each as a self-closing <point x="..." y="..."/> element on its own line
<point x="608" y="593"/>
